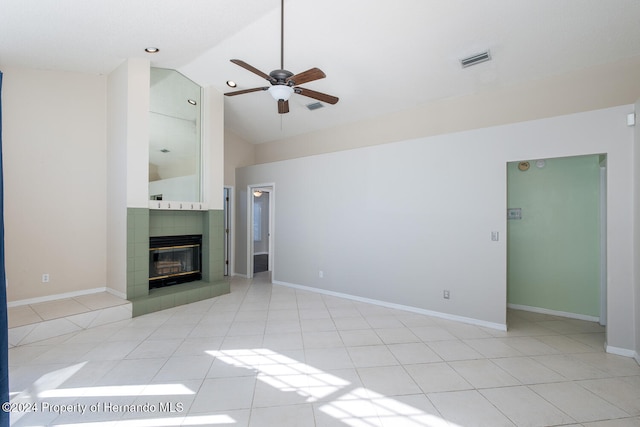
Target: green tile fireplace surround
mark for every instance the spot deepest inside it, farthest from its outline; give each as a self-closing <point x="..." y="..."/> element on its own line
<point x="144" y="223"/>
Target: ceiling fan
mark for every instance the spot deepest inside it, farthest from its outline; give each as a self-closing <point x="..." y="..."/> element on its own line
<point x="283" y="82"/>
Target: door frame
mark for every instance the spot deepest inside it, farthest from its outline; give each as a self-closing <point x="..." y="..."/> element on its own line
<point x="229" y="232"/>
<point x="603" y="244"/>
<point x="271" y="188"/>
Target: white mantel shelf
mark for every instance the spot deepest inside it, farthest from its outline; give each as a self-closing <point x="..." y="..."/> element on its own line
<point x="177" y="206"/>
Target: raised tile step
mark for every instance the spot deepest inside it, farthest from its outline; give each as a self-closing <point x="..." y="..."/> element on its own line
<point x="40" y="321"/>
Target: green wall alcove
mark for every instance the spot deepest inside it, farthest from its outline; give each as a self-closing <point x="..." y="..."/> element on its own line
<point x="553" y="255"/>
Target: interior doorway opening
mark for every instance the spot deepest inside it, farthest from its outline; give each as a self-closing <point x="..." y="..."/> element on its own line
<point x="556" y="236"/>
<point x="261" y="213"/>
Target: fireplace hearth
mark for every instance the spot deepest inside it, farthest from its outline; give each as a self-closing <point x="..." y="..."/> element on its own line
<point x="174" y="260"/>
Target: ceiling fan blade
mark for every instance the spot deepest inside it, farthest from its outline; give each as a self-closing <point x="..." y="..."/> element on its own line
<point x="283" y="106"/>
<point x="252" y="69"/>
<point x="316" y="95"/>
<point x="307" y="76"/>
<point x="240" y="92"/>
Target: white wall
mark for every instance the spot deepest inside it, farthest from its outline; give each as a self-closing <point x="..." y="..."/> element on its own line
<point x="213" y="150"/>
<point x="116" y="244"/>
<point x="137" y="128"/>
<point x="589" y="89"/>
<point x="636" y="180"/>
<point x="181" y="188"/>
<point x="237" y="153"/>
<point x="128" y="161"/>
<point x="401" y="222"/>
<point x="54" y="148"/>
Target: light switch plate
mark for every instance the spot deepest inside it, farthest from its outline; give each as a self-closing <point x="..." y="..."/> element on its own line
<point x="514" y="213"/>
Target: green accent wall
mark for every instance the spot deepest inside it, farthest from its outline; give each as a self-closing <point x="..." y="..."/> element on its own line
<point x="553" y="255"/>
<point x="144" y="223"/>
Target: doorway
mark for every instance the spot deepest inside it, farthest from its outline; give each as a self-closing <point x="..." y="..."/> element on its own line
<point x="556" y="236"/>
<point x="260" y="235"/>
<point x="227" y="203"/>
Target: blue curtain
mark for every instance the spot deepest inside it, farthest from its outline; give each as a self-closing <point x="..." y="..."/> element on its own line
<point x="4" y="332"/>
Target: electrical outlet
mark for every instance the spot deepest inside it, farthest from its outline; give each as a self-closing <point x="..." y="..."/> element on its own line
<point x="445" y="294"/>
<point x="495" y="236"/>
<point x="45" y="278"/>
<point x="321" y="274"/>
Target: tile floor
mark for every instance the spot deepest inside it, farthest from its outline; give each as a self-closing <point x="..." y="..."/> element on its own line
<point x="35" y="313"/>
<point x="273" y="356"/>
<point x="36" y="322"/>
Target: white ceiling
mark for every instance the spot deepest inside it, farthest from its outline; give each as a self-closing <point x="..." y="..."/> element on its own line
<point x="379" y="57"/>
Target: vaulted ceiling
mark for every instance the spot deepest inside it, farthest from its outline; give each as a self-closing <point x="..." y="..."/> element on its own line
<point x="379" y="56"/>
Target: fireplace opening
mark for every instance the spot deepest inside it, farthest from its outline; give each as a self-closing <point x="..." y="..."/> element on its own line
<point x="174" y="260"/>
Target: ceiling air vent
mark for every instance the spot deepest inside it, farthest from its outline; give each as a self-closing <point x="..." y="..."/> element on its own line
<point x="314" y="106"/>
<point x="475" y="59"/>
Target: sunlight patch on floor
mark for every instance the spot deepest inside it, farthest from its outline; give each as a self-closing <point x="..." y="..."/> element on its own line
<point x="194" y="420"/>
<point x="350" y="404"/>
<point x="119" y="390"/>
<point x="355" y="407"/>
<point x="359" y="406"/>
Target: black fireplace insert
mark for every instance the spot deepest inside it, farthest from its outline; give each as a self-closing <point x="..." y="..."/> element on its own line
<point x="174" y="260"/>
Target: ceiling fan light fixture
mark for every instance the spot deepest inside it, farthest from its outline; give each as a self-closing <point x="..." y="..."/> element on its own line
<point x="279" y="92"/>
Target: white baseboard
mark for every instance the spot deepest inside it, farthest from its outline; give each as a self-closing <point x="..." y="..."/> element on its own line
<point x="63" y="296"/>
<point x="609" y="349"/>
<point x="462" y="319"/>
<point x="554" y="312"/>
<point x="116" y="293"/>
<point x="622" y="352"/>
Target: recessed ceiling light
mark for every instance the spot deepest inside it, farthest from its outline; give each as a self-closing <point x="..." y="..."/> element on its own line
<point x="192" y="101"/>
<point x="152" y="50"/>
<point x="231" y="83"/>
<point x="164" y="150"/>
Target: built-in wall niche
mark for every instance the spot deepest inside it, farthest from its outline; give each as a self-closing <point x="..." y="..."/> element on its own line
<point x="175" y="136"/>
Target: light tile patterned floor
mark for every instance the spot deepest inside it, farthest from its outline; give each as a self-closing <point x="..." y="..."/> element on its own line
<point x="37" y="322"/>
<point x="273" y="356"/>
<point x="37" y="312"/>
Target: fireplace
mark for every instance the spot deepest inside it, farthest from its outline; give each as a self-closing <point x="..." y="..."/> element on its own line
<point x="174" y="260"/>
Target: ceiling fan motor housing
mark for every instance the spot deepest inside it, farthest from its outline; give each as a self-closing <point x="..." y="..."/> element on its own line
<point x="280" y="77"/>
